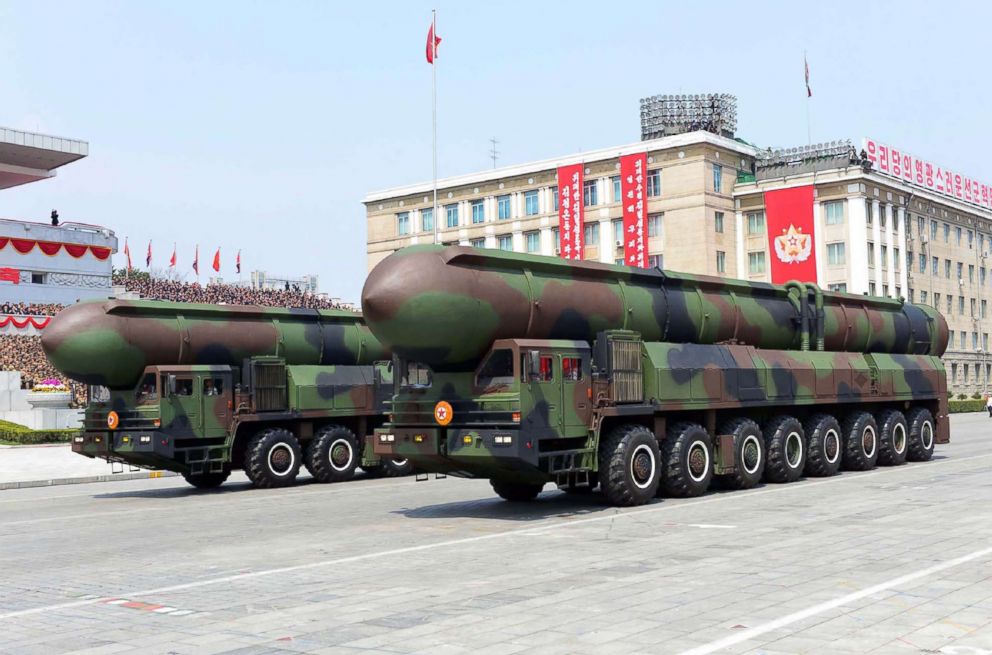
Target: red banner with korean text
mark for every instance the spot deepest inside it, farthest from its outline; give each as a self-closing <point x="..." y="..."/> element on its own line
<point x="633" y="177"/>
<point x="570" y="211"/>
<point x="791" y="238"/>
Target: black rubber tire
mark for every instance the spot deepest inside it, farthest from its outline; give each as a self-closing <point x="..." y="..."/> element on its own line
<point x="629" y="465"/>
<point x="207" y="480"/>
<point x="325" y="451"/>
<point x="785" y="443"/>
<point x="395" y="468"/>
<point x="516" y="492"/>
<point x="824" y="446"/>
<point x="749" y="446"/>
<point x="258" y="463"/>
<point x="683" y="474"/>
<point x="856" y="453"/>
<point x="893" y="437"/>
<point x="922" y="435"/>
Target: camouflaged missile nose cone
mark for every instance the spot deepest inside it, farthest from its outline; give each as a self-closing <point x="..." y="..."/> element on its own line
<point x="445" y="305"/>
<point x="110" y="342"/>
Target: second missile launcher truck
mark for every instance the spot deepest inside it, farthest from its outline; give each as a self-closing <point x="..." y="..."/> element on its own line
<point x="646" y="381"/>
<point x="204" y="389"/>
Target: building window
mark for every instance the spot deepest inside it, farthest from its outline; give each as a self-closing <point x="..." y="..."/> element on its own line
<point x="984" y="307"/>
<point x="920" y="225"/>
<point x="872" y="290"/>
<point x="756" y="262"/>
<point x="403" y="224"/>
<point x="838" y="286"/>
<point x="960" y="272"/>
<point x="589" y="193"/>
<point x="960" y="305"/>
<point x="756" y="223"/>
<point x="591" y="234"/>
<point x="504" y="242"/>
<point x="895" y="221"/>
<point x="923" y="297"/>
<point x="616" y="188"/>
<point x="532" y="241"/>
<point x="721" y="261"/>
<point x="655" y="225"/>
<point x="947" y="233"/>
<point x="656" y="261"/>
<point x="836" y="254"/>
<point x="947" y="268"/>
<point x="478" y="212"/>
<point x="477" y="243"/>
<point x="957" y="235"/>
<point x="451" y="211"/>
<point x="971" y="273"/>
<point x="923" y="263"/>
<point x="881" y="216"/>
<point x="834" y="212"/>
<point x="950" y="304"/>
<point x="427" y="220"/>
<point x="654" y="183"/>
<point x="934" y="266"/>
<point x="885" y="256"/>
<point x="933" y="230"/>
<point x="502" y="208"/>
<point x="981" y="275"/>
<point x="871" y="254"/>
<point x="554" y="199"/>
<point x="936" y="300"/>
<point x="531" y="205"/>
<point x="618" y="233"/>
<point x="973" y="313"/>
<point x="971" y="239"/>
<point x="717" y="178"/>
<point x="555" y="241"/>
<point x="869" y="209"/>
<point x="896" y="259"/>
<point x="718" y="222"/>
<point x="911" y="294"/>
<point x="885" y="290"/>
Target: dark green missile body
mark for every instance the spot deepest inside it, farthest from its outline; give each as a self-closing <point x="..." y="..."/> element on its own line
<point x="551" y="370"/>
<point x="204" y="389"/>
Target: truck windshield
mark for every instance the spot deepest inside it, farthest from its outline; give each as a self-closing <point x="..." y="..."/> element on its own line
<point x="147" y="392"/>
<point x="496" y="370"/>
<point x="99" y="394"/>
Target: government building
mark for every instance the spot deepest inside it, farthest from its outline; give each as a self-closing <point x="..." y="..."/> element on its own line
<point x="863" y="219"/>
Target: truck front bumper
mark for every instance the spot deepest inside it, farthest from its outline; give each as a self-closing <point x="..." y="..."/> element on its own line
<point x="150" y="449"/>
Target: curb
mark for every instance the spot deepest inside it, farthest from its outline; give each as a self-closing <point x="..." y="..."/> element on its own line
<point x="143" y="475"/>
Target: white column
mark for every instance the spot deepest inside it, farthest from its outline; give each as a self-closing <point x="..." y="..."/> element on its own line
<point x="491" y="241"/>
<point x="821" y="245"/>
<point x="904" y="267"/>
<point x="891" y="245"/>
<point x="547" y="248"/>
<point x="490" y="207"/>
<point x="857" y="241"/>
<point x="605" y="241"/>
<point x="876" y="237"/>
<point x="604" y="191"/>
<point x="547" y="200"/>
<point x="518" y="241"/>
<point x="739" y="237"/>
<point x="464" y="213"/>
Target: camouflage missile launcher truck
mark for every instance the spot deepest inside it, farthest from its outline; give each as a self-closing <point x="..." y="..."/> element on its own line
<point x="645" y="382"/>
<point x="204" y="389"/>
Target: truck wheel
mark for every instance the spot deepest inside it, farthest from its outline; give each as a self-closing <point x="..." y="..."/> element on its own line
<point x="207" y="480"/>
<point x="824" y="446"/>
<point x="860" y="442"/>
<point x="786" y="446"/>
<point x="332" y="455"/>
<point x="395" y="468"/>
<point x="273" y="458"/>
<point x="749" y="453"/>
<point x="687" y="461"/>
<point x="893" y="438"/>
<point x="629" y="470"/>
<point x="516" y="492"/>
<point x="921" y="435"/>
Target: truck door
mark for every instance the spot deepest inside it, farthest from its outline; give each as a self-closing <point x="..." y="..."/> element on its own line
<point x="217" y="397"/>
<point x="184" y="405"/>
<point x="575" y="385"/>
<point x="540" y="400"/>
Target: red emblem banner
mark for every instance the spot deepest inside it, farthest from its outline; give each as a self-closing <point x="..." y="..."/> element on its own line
<point x="570" y="212"/>
<point x="633" y="172"/>
<point x="791" y="239"/>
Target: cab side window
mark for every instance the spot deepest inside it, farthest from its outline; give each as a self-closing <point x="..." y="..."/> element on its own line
<point x="571" y="369"/>
<point x="213" y="387"/>
<point x="184" y="386"/>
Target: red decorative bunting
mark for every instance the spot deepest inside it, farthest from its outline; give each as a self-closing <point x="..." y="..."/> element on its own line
<point x="52" y="248"/>
<point x="37" y="322"/>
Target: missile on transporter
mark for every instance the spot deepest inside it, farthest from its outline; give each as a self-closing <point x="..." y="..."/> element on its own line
<point x="445" y="305"/>
<point x="110" y="342"/>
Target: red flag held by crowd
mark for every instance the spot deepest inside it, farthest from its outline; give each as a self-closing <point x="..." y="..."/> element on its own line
<point x="433" y="41"/>
<point x="237" y="263"/>
<point x="809" y="91"/>
<point x="10" y="275"/>
<point x="127" y="253"/>
<point x="217" y="260"/>
<point x="148" y="257"/>
<point x="172" y="260"/>
<point x="196" y="261"/>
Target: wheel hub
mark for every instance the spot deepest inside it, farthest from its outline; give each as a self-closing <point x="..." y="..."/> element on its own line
<point x="793" y="449"/>
<point x="641" y="467"/>
<point x="280" y="459"/>
<point x="868" y="442"/>
<point x="697" y="462"/>
<point x="831" y="446"/>
<point x="751" y="456"/>
<point x="340" y="455"/>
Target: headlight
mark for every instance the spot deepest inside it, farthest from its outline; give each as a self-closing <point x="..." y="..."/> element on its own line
<point x="78" y="439"/>
<point x="146" y="438"/>
<point x="503" y="440"/>
<point x="387" y="438"/>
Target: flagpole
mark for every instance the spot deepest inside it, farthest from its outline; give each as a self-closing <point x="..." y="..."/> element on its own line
<point x="809" y="131"/>
<point x="437" y="236"/>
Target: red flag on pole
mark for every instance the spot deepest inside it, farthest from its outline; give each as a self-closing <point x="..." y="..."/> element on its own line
<point x="217" y="260"/>
<point x="809" y="91"/>
<point x="433" y="41"/>
<point x="238" y="263"/>
<point x="148" y="257"/>
<point x="196" y="261"/>
<point x="172" y="260"/>
<point x="127" y="253"/>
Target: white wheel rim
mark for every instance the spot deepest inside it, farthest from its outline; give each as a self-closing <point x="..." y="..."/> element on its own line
<point x="640" y="450"/>
<point x="831" y="438"/>
<point x="926" y="435"/>
<point x="751" y="439"/>
<point x="351" y="454"/>
<point x="700" y="446"/>
<point x="899" y="438"/>
<point x="292" y="459"/>
<point x="797" y="440"/>
<point x="874" y="441"/>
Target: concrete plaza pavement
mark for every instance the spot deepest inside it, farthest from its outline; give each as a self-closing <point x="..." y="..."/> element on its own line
<point x="897" y="560"/>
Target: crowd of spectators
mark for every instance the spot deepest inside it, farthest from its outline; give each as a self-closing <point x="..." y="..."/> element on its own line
<point x="24" y="354"/>
<point x="230" y="294"/>
<point x="29" y="309"/>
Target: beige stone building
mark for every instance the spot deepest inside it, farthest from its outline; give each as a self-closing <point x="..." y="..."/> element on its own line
<point x="874" y="234"/>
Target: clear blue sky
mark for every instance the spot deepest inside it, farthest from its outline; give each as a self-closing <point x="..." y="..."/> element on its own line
<point x="261" y="126"/>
